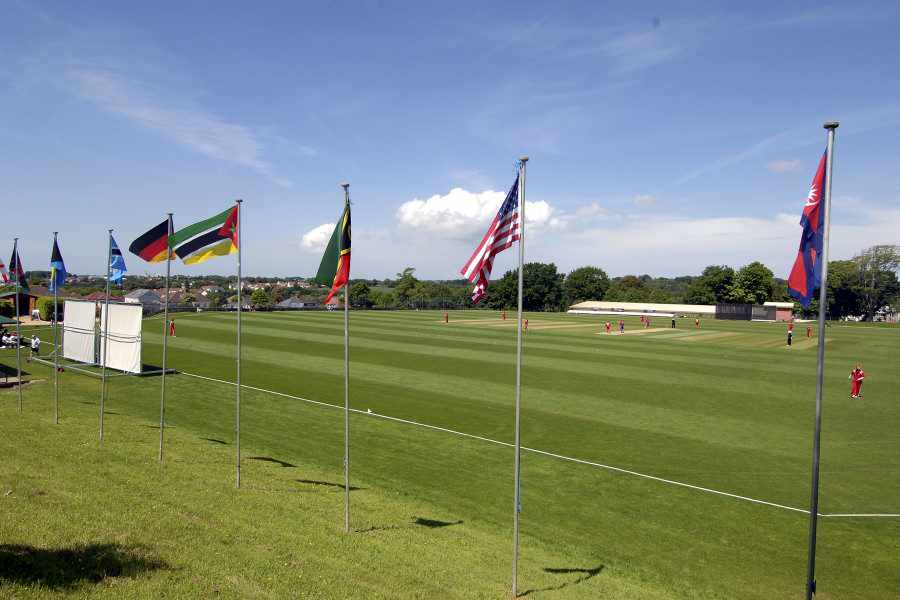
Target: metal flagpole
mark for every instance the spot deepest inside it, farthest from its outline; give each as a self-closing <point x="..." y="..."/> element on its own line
<point x="104" y="334"/>
<point x="162" y="395"/>
<point x="56" y="342"/>
<point x="237" y="427"/>
<point x="346" y="187"/>
<point x="820" y="370"/>
<point x="517" y="506"/>
<point x="18" y="330"/>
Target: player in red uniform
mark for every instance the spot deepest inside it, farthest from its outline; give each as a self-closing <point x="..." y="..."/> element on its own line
<point x="172" y="328"/>
<point x="446" y="317"/>
<point x="608" y="328"/>
<point x="808" y="331"/>
<point x="526" y="325"/>
<point x="857" y="376"/>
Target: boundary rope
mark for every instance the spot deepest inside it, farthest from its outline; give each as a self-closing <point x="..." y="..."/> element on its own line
<point x="552" y="454"/>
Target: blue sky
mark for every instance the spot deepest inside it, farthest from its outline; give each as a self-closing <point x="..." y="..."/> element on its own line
<point x="662" y="137"/>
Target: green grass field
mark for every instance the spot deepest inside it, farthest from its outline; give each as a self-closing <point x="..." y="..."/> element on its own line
<point x="727" y="408"/>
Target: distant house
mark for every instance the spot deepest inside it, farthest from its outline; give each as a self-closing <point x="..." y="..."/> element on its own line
<point x="26" y="301"/>
<point x="784" y="311"/>
<point x="295" y="303"/>
<point x="101" y="297"/>
<point x="206" y="290"/>
<point x="148" y="298"/>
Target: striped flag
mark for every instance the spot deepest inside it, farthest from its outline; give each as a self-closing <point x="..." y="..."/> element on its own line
<point x="153" y="245"/>
<point x="17" y="271"/>
<point x="216" y="236"/>
<point x="504" y="230"/>
<point x="334" y="270"/>
<point x="116" y="262"/>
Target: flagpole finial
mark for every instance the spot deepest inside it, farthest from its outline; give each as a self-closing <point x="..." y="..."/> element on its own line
<point x="345" y="185"/>
<point x="524" y="158"/>
<point x="239" y="200"/>
<point x="831" y="125"/>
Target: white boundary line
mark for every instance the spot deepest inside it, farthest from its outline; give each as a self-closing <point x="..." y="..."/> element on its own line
<point x="552" y="455"/>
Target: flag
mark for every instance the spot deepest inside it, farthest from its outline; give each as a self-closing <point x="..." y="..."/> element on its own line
<point x="17" y="271"/>
<point x="334" y="270"/>
<point x="4" y="274"/>
<point x="504" y="230"/>
<point x="152" y="245"/>
<point x="57" y="269"/>
<point x="216" y="236"/>
<point x="806" y="275"/>
<point x="116" y="262"/>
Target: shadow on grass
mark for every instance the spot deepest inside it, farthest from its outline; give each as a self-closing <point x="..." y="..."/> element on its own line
<point x="434" y="523"/>
<point x="60" y="568"/>
<point x="417" y="522"/>
<point x="273" y="460"/>
<point x="215" y="441"/>
<point x="327" y="484"/>
<point x="584" y="575"/>
<point x="10" y="370"/>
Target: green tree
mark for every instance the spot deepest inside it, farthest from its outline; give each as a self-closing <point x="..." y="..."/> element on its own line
<point x="713" y="285"/>
<point x="629" y="288"/>
<point x="406" y="284"/>
<point x="877" y="267"/>
<point x="260" y="299"/>
<point x="360" y="295"/>
<point x="753" y="284"/>
<point x="542" y="288"/>
<point x="586" y="283"/>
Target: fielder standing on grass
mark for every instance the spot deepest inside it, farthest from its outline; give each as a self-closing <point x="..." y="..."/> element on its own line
<point x="857" y="375"/>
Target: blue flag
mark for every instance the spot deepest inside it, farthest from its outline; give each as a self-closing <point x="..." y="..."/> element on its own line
<point x="116" y="262"/>
<point x="57" y="269"/>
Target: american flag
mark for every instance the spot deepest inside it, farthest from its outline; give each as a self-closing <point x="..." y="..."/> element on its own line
<point x="504" y="230"/>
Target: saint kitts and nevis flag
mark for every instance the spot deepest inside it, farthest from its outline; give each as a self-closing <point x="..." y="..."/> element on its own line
<point x="334" y="270"/>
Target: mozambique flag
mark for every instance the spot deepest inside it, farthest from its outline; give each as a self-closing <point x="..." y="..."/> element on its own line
<point x="216" y="236"/>
<point x="17" y="271"/>
<point x="57" y="268"/>
<point x="334" y="270"/>
<point x="152" y="246"/>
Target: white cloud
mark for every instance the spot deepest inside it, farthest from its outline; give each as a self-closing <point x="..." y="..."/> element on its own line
<point x="461" y="213"/>
<point x="644" y="200"/>
<point x="196" y="129"/>
<point x="315" y="239"/>
<point x="783" y="166"/>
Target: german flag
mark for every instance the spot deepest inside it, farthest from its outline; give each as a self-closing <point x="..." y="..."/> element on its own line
<point x="216" y="236"/>
<point x="153" y="246"/>
<point x="334" y="270"/>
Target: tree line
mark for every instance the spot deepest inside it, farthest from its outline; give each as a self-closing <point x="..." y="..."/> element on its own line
<point x="860" y="286"/>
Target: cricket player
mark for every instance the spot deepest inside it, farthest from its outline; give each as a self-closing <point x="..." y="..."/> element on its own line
<point x="857" y="375"/>
<point x="621" y="326"/>
<point x="608" y="328"/>
<point x="172" y="328"/>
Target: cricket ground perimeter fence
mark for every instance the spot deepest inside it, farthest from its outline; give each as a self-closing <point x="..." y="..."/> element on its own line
<point x="546" y="453"/>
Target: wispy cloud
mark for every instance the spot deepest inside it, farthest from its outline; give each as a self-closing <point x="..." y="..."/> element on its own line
<point x="194" y="128"/>
<point x="783" y="166"/>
